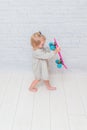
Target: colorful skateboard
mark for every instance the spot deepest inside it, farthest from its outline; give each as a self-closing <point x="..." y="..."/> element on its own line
<point x="61" y="58"/>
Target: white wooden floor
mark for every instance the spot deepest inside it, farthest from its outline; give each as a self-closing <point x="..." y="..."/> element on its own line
<point x="63" y="109"/>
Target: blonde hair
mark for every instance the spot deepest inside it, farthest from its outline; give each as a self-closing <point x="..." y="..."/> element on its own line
<point x="36" y="39"/>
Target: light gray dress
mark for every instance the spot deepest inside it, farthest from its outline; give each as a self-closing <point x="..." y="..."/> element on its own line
<point x="40" y="63"/>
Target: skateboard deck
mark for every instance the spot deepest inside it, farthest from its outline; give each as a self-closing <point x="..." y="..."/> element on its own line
<point x="61" y="58"/>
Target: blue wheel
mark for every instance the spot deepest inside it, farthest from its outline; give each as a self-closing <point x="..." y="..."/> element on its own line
<point x="52" y="46"/>
<point x="57" y="61"/>
<point x="59" y="65"/>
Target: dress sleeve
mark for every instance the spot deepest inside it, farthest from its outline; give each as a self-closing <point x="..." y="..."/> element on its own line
<point x="43" y="54"/>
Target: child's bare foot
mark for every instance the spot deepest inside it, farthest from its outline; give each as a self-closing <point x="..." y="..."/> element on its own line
<point x="33" y="89"/>
<point x="51" y="88"/>
<point x="33" y="86"/>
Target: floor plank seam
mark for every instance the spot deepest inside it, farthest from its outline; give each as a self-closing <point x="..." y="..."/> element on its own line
<point x="81" y="99"/>
<point x="5" y="91"/>
<point x="50" y="118"/>
<point x="66" y="102"/>
<point x="21" y="85"/>
<point x="32" y="111"/>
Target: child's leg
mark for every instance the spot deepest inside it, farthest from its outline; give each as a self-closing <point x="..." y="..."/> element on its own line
<point x="47" y="83"/>
<point x="33" y="86"/>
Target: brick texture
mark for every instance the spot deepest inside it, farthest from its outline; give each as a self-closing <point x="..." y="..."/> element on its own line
<point x="64" y="19"/>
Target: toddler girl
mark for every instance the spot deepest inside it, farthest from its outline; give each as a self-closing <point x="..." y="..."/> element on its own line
<point x="41" y="55"/>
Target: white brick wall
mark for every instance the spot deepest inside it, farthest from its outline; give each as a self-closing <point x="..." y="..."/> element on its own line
<point x="64" y="19"/>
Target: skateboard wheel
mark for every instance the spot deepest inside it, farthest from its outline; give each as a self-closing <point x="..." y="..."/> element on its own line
<point x="59" y="65"/>
<point x="57" y="61"/>
<point x="52" y="46"/>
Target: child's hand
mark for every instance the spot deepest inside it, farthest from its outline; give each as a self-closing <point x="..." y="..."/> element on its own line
<point x="57" y="49"/>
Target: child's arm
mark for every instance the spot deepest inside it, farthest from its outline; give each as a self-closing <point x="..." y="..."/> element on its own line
<point x="45" y="55"/>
